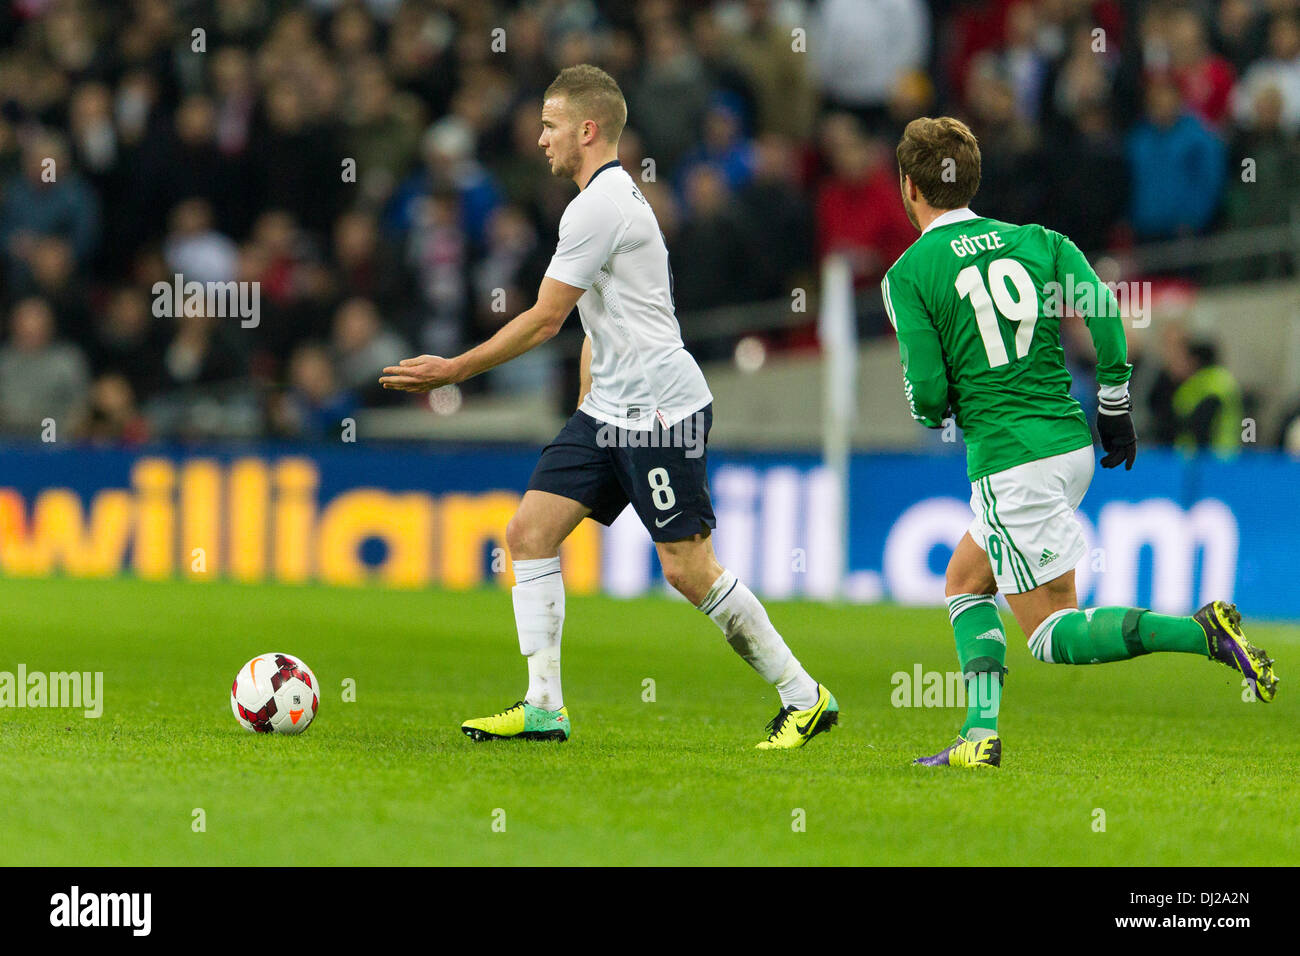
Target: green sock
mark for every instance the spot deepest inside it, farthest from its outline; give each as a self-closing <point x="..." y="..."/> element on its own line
<point x="1102" y="634"/>
<point x="982" y="652"/>
<point x="1164" y="632"/>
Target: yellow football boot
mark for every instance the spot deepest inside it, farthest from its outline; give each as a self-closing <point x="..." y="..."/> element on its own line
<point x="520" y="722"/>
<point x="794" y="728"/>
<point x="1227" y="644"/>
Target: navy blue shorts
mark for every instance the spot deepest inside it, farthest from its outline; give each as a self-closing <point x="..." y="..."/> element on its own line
<point x="662" y="472"/>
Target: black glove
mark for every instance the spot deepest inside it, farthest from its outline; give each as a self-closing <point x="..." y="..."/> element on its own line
<point x="1118" y="439"/>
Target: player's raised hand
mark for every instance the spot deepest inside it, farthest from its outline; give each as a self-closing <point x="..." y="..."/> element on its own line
<point x="1118" y="439"/>
<point x="423" y="373"/>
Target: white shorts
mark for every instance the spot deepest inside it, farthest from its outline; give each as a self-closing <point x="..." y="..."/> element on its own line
<point x="1024" y="519"/>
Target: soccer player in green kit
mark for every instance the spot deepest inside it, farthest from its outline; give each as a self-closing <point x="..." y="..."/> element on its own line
<point x="976" y="304"/>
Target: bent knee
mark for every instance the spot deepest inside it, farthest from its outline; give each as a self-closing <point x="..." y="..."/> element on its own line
<point x="527" y="541"/>
<point x="969" y="581"/>
<point x="690" y="578"/>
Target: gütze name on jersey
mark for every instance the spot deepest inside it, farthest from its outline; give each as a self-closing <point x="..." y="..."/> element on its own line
<point x="965" y="245"/>
<point x="102" y="909"/>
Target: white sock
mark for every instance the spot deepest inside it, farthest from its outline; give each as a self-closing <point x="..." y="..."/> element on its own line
<point x="539" y="616"/>
<point x="744" y="622"/>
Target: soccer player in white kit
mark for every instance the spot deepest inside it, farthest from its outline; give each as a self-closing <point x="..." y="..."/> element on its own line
<point x="639" y="434"/>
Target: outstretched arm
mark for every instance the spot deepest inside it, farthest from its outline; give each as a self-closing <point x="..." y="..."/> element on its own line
<point x="529" y="329"/>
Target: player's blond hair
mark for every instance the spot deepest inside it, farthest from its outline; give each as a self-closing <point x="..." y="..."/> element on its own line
<point x="592" y="94"/>
<point x="942" y="158"/>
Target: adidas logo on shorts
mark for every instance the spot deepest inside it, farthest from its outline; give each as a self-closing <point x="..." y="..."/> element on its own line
<point x="1047" y="558"/>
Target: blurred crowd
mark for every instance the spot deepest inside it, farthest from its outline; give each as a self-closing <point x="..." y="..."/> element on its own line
<point x="372" y="165"/>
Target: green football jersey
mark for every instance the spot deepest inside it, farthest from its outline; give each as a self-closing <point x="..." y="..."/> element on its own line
<point x="977" y="306"/>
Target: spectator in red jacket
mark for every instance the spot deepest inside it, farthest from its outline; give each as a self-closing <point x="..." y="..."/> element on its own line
<point x="858" y="209"/>
<point x="1204" y="78"/>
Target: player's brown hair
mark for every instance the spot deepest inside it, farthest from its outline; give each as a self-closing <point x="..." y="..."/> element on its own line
<point x="592" y="94"/>
<point x="942" y="157"/>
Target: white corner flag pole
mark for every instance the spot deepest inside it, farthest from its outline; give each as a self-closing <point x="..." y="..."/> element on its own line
<point x="837" y="332"/>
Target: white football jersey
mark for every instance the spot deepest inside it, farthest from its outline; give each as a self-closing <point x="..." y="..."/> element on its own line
<point x="610" y="245"/>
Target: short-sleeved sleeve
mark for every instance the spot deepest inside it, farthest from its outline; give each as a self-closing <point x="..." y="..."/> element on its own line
<point x="589" y="231"/>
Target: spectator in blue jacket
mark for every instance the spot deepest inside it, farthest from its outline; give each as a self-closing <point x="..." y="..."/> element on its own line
<point x="724" y="145"/>
<point x="451" y="162"/>
<point x="46" y="199"/>
<point x="1178" y="166"/>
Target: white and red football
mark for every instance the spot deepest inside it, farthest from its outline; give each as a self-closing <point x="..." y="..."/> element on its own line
<point x="275" y="694"/>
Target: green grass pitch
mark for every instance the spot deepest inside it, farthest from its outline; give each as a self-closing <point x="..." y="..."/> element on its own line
<point x="1184" y="770"/>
